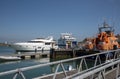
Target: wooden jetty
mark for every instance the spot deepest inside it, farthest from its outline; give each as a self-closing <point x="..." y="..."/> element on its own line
<point x="34" y="55"/>
<point x="30" y="55"/>
<point x="53" y="54"/>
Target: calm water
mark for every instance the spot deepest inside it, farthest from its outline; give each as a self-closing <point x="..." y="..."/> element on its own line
<point x="5" y="66"/>
<point x="6" y="50"/>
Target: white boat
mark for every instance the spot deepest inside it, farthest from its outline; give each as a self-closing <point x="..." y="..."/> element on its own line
<point x="38" y="44"/>
<point x="67" y="40"/>
<point x="9" y="58"/>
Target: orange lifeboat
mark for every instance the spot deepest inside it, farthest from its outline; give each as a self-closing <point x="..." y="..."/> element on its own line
<point x="105" y="40"/>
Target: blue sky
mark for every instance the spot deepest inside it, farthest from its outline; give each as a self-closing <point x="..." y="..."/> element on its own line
<point x="22" y="20"/>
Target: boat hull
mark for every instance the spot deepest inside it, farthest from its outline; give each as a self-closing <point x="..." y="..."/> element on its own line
<point x="9" y="58"/>
<point x="38" y="44"/>
<point x="31" y="48"/>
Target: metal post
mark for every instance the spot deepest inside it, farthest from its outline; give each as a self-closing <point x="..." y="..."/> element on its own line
<point x="80" y="66"/>
<point x="63" y="69"/>
<point x="117" y="70"/>
<point x="56" y="71"/>
<point x="19" y="73"/>
<point x="97" y="58"/>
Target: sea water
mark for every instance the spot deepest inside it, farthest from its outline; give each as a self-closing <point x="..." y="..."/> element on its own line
<point x="33" y="73"/>
<point x="6" y="66"/>
<point x="6" y="50"/>
<point x="29" y="74"/>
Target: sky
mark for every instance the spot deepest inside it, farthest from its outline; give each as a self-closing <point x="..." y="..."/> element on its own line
<point x="22" y="20"/>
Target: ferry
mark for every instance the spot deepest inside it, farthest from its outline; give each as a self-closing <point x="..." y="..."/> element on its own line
<point x="38" y="44"/>
<point x="67" y="40"/>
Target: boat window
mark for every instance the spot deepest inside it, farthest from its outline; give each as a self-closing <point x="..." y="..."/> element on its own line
<point x="20" y="46"/>
<point x="35" y="41"/>
<point x="47" y="43"/>
<point x="39" y="47"/>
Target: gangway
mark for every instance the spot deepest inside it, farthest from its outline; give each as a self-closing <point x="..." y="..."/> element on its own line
<point x="102" y="64"/>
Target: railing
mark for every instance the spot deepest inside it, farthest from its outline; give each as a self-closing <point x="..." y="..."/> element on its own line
<point x="98" y="60"/>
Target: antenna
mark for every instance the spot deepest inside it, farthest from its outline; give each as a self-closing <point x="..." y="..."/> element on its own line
<point x="113" y="24"/>
<point x="105" y="24"/>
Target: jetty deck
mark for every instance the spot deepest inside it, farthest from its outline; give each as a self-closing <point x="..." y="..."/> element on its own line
<point x="53" y="54"/>
<point x="30" y="55"/>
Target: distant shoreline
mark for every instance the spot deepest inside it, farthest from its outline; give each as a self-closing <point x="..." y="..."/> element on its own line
<point x="3" y="44"/>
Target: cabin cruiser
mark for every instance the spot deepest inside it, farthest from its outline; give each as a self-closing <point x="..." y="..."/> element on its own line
<point x="38" y="44"/>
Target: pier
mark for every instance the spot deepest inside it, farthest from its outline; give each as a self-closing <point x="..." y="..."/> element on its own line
<point x="36" y="55"/>
<point x="71" y="53"/>
<point x="53" y="54"/>
<point x="104" y="65"/>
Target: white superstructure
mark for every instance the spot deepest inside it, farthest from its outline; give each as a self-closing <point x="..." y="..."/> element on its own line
<point x="66" y="40"/>
<point x="38" y="44"/>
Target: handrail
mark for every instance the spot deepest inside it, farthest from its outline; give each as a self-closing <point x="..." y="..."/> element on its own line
<point x="90" y="71"/>
<point x="61" y="62"/>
